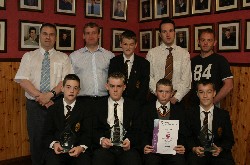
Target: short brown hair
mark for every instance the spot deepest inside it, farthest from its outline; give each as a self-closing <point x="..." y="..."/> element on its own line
<point x="117" y="75"/>
<point x="91" y="25"/>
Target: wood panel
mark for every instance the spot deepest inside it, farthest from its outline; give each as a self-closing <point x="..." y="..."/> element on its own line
<point x="14" y="139"/>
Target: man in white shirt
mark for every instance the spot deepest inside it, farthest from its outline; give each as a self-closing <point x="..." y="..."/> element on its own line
<point x="40" y="74"/>
<point x="181" y="72"/>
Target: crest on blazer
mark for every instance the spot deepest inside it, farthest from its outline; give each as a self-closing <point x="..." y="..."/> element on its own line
<point x="219" y="131"/>
<point x="77" y="127"/>
<point x="138" y="83"/>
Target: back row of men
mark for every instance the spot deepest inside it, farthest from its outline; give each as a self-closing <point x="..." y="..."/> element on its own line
<point x="41" y="72"/>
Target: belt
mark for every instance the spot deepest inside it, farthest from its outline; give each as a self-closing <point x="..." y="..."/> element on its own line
<point x="92" y="97"/>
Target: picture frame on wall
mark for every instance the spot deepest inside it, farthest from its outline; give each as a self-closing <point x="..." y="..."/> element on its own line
<point x="197" y="30"/>
<point x="182" y="37"/>
<point x="119" y="10"/>
<point x="161" y="8"/>
<point x="180" y="8"/>
<point x="245" y="4"/>
<point x="65" y="39"/>
<point x="145" y="40"/>
<point x="31" y="5"/>
<point x="3" y="33"/>
<point x="65" y="7"/>
<point x="223" y="6"/>
<point x="94" y="8"/>
<point x="247" y="35"/>
<point x="116" y="39"/>
<point x="157" y="37"/>
<point x="29" y="35"/>
<point x="145" y="10"/>
<point x="2" y="5"/>
<point x="201" y="7"/>
<point x="229" y="36"/>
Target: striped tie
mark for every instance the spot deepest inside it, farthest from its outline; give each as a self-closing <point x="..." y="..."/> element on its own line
<point x="169" y="65"/>
<point x="205" y="124"/>
<point x="45" y="74"/>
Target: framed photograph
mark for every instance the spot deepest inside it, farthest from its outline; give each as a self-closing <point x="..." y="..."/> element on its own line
<point x="182" y="37"/>
<point x="145" y="10"/>
<point x="31" y="5"/>
<point x="226" y="5"/>
<point x="145" y="40"/>
<point x="181" y="8"/>
<point x="245" y="3"/>
<point x="94" y="8"/>
<point x="119" y="10"/>
<point x="247" y="35"/>
<point x="2" y="5"/>
<point x="116" y="39"/>
<point x="29" y="35"/>
<point x="157" y="37"/>
<point x="65" y="39"/>
<point x="201" y="6"/>
<point x="3" y="39"/>
<point x="65" y="7"/>
<point x="197" y="30"/>
<point x="161" y="8"/>
<point x="229" y="36"/>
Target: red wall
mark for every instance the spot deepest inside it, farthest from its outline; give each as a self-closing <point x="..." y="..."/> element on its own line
<point x="13" y="16"/>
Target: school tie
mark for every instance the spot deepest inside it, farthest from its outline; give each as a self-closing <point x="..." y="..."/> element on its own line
<point x="68" y="107"/>
<point x="205" y="124"/>
<point x="126" y="70"/>
<point x="45" y="74"/>
<point x="169" y="65"/>
<point x="166" y="111"/>
<point x="116" y="121"/>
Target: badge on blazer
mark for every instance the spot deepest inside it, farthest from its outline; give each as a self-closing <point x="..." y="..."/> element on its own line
<point x="219" y="131"/>
<point x="77" y="127"/>
<point x="138" y="84"/>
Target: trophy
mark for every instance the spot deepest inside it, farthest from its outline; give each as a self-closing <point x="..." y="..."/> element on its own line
<point x="67" y="139"/>
<point x="206" y="139"/>
<point x="117" y="133"/>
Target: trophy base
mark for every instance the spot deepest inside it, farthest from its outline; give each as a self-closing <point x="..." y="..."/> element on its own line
<point x="117" y="144"/>
<point x="208" y="149"/>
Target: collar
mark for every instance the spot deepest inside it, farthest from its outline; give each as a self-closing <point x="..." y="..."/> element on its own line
<point x="210" y="110"/>
<point x="158" y="105"/>
<point x="51" y="51"/>
<point x="120" y="102"/>
<point x="85" y="49"/>
<point x="72" y="104"/>
<point x="131" y="59"/>
<point x="164" y="47"/>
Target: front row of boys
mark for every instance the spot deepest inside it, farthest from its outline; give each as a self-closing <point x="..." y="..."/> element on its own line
<point x="91" y="126"/>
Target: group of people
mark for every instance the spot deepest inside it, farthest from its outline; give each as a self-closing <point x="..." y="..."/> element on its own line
<point x="109" y="103"/>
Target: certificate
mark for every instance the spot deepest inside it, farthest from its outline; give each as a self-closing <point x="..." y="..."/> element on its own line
<point x="165" y="136"/>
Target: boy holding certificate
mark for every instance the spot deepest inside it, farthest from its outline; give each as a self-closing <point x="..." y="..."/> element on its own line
<point x="164" y="110"/>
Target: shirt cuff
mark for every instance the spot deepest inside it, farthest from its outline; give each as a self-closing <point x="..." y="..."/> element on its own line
<point x="52" y="144"/>
<point x="85" y="148"/>
<point x="101" y="140"/>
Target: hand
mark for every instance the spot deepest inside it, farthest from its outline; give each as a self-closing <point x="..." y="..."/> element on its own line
<point x="106" y="143"/>
<point x="216" y="151"/>
<point x="173" y="100"/>
<point x="180" y="149"/>
<point x="148" y="149"/>
<point x="75" y="152"/>
<point x="126" y="145"/>
<point x="49" y="104"/>
<point x="199" y="151"/>
<point x="44" y="98"/>
<point x="57" y="148"/>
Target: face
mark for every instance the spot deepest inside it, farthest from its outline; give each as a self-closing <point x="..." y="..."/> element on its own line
<point x="64" y="36"/>
<point x="119" y="6"/>
<point x="227" y="33"/>
<point x="207" y="42"/>
<point x="48" y="37"/>
<point x="128" y="46"/>
<point x="33" y="34"/>
<point x="91" y="36"/>
<point x="115" y="87"/>
<point x="206" y="94"/>
<point x="164" y="93"/>
<point x="71" y="90"/>
<point x="167" y="34"/>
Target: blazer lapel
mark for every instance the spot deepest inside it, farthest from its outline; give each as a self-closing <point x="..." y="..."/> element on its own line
<point x="125" y="114"/>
